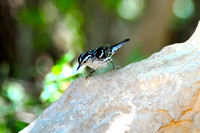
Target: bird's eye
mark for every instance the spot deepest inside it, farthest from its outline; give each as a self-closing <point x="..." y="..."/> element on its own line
<point x="84" y="62"/>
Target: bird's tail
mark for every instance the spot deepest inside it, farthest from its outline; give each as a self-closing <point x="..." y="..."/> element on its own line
<point x="115" y="47"/>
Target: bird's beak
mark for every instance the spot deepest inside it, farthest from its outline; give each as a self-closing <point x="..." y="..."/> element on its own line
<point x="78" y="67"/>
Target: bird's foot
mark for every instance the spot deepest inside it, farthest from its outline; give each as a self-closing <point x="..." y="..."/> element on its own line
<point x="88" y="76"/>
<point x="115" y="68"/>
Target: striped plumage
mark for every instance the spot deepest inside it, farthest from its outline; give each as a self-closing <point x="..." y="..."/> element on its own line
<point x="99" y="57"/>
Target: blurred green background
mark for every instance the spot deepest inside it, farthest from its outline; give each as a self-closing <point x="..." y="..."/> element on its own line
<point x="40" y="41"/>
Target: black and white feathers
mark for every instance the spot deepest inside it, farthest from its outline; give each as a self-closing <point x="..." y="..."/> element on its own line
<point x="99" y="57"/>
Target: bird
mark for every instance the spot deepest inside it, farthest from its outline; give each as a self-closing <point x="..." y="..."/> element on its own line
<point x="98" y="58"/>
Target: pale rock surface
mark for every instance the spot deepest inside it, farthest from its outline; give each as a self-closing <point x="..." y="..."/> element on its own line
<point x="159" y="94"/>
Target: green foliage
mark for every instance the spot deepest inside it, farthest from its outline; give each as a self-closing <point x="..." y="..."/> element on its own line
<point x="20" y="125"/>
<point x="32" y="16"/>
<point x="41" y="40"/>
<point x="126" y="9"/>
<point x="64" y="5"/>
<point x="12" y="100"/>
<point x="183" y="9"/>
<point x="57" y="81"/>
<point x="111" y="3"/>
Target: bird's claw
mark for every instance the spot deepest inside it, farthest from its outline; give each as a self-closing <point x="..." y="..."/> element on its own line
<point x="88" y="76"/>
<point x="116" y="67"/>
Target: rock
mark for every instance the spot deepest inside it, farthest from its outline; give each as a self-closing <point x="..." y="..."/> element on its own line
<point x="158" y="94"/>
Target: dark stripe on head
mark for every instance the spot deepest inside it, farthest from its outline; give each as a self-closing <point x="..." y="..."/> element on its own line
<point x="83" y="57"/>
<point x="80" y="58"/>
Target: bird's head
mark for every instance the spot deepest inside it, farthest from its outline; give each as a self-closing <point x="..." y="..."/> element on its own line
<point x="82" y="59"/>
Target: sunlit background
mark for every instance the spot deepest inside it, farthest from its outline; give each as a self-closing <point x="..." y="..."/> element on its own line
<point x="40" y="41"/>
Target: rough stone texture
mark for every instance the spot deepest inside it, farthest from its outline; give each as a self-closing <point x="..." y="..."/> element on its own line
<point x="159" y="94"/>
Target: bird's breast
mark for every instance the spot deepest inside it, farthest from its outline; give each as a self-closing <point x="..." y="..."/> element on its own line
<point x="97" y="64"/>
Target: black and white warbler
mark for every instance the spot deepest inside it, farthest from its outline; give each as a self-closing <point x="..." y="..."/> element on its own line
<point x="99" y="57"/>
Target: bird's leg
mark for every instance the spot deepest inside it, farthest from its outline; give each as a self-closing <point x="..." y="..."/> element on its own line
<point x="114" y="67"/>
<point x="90" y="74"/>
